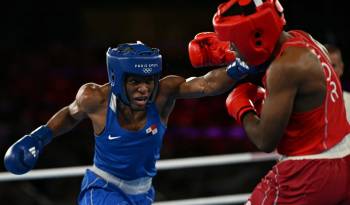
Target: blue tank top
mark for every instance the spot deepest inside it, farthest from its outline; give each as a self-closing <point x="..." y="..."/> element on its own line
<point x="129" y="154"/>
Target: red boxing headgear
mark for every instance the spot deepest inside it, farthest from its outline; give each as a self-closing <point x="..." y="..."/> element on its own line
<point x="254" y="30"/>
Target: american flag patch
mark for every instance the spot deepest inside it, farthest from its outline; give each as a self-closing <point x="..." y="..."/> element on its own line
<point x="152" y="129"/>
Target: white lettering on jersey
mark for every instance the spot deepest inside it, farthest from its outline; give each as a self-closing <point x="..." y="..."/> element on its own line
<point x="334" y="93"/>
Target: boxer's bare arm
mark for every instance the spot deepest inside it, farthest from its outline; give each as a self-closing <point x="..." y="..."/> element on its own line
<point x="282" y="83"/>
<point x="86" y="102"/>
<point x="213" y="83"/>
<point x="174" y="87"/>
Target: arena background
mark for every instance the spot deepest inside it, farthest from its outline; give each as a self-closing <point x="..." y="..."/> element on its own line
<point x="49" y="49"/>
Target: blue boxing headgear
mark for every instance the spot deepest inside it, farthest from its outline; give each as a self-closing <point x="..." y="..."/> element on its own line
<point x="136" y="59"/>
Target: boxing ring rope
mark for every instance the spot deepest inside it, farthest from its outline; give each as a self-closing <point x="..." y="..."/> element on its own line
<point x="167" y="164"/>
<point x="217" y="200"/>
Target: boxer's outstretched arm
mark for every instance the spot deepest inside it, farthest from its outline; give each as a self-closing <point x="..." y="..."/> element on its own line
<point x="174" y="87"/>
<point x="213" y="83"/>
<point x="216" y="81"/>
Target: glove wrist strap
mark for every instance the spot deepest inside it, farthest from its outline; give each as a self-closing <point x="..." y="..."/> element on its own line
<point x="43" y="134"/>
<point x="243" y="112"/>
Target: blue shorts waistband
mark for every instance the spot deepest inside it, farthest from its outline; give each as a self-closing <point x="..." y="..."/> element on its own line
<point x="136" y="186"/>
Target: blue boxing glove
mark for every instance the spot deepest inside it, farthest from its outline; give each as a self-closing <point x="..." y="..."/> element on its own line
<point x="21" y="157"/>
<point x="239" y="69"/>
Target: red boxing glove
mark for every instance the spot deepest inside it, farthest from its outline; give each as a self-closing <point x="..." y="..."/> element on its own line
<point x="207" y="50"/>
<point x="245" y="97"/>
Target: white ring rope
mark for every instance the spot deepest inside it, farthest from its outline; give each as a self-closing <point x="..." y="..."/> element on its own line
<point x="217" y="200"/>
<point x="215" y="160"/>
<point x="161" y="165"/>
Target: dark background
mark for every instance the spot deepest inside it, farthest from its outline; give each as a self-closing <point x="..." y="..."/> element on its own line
<point x="48" y="50"/>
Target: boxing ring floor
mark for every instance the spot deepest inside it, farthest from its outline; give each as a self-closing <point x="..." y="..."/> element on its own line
<point x="162" y="165"/>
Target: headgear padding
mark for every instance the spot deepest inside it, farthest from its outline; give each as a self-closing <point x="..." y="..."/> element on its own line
<point x="254" y="29"/>
<point x="136" y="59"/>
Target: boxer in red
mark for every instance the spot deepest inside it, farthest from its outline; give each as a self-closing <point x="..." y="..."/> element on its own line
<point x="302" y="114"/>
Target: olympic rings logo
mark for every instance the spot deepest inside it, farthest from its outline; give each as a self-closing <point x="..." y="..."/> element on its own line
<point x="147" y="70"/>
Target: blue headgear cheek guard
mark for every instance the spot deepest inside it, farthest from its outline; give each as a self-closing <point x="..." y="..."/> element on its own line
<point x="136" y="59"/>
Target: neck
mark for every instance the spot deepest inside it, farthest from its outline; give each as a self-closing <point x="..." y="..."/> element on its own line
<point x="283" y="37"/>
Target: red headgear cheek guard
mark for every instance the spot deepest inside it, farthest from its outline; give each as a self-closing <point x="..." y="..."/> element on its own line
<point x="255" y="32"/>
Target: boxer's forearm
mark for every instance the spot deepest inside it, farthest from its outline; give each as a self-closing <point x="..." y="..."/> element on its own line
<point x="63" y="121"/>
<point x="213" y="83"/>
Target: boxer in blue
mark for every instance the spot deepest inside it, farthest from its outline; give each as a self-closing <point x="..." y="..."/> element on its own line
<point x="129" y="116"/>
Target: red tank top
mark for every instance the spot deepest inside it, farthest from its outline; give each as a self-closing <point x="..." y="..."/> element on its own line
<point x="319" y="129"/>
